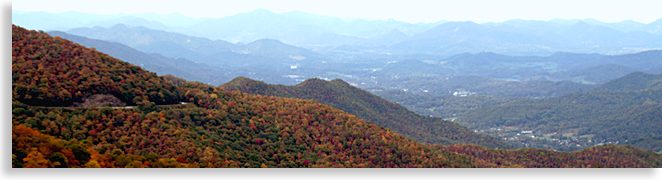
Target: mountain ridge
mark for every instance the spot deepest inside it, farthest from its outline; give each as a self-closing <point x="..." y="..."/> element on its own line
<point x="162" y="65"/>
<point x="195" y="48"/>
<point x="340" y="94"/>
<point x="632" y="82"/>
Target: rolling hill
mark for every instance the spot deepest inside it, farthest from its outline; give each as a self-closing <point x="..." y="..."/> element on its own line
<point x="633" y="82"/>
<point x="364" y="105"/>
<point x="595" y="74"/>
<point x="618" y="111"/>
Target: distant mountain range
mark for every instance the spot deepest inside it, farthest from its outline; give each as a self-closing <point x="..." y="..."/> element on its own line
<point x="459" y="37"/>
<point x="586" y="68"/>
<point x="212" y="73"/>
<point x="266" y="52"/>
<point x="179" y="67"/>
<point x="325" y="34"/>
<point x="276" y="58"/>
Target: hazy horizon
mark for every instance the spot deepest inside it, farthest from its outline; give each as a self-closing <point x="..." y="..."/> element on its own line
<point x="412" y="11"/>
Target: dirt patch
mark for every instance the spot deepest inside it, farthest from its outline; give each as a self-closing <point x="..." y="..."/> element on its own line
<point x="99" y="100"/>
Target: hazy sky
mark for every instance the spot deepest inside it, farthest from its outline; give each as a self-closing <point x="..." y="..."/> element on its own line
<point x="479" y="11"/>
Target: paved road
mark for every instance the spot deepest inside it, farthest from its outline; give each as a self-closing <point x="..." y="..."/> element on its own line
<point x="116" y="107"/>
<point x="124" y="107"/>
<point x="129" y="107"/>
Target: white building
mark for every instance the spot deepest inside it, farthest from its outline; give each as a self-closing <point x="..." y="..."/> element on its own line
<point x="463" y="93"/>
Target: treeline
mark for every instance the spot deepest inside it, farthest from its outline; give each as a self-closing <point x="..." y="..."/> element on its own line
<point x="367" y="106"/>
<point x="606" y="156"/>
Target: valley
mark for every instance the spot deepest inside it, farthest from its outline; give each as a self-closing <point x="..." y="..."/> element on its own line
<point x="290" y="90"/>
<point x="447" y="87"/>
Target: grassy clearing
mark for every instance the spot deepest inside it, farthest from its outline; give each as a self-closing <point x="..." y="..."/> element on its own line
<point x="589" y="136"/>
<point x="546" y="138"/>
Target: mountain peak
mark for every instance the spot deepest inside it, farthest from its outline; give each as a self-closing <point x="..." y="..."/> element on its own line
<point x="314" y="83"/>
<point x="393" y="35"/>
<point x="244" y="81"/>
<point x="118" y="26"/>
<point x="365" y="105"/>
<point x="460" y="23"/>
<point x="579" y="27"/>
<point x="457" y="26"/>
<point x="267" y="41"/>
<point x="261" y="11"/>
<point x="297" y="13"/>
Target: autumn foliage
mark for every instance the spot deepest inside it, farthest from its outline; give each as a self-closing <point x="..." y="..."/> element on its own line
<point x="217" y="128"/>
<point x="369" y="107"/>
<point x="51" y="71"/>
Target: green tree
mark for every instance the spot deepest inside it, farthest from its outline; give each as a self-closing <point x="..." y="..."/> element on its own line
<point x="58" y="160"/>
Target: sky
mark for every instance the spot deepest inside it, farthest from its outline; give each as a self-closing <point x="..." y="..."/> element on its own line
<point x="412" y="11"/>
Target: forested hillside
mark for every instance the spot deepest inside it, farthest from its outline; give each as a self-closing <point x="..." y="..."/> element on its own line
<point x="607" y="156"/>
<point x="218" y="128"/>
<point x="51" y="71"/>
<point x="364" y="105"/>
<point x="618" y="111"/>
<point x="595" y="74"/>
<point x="478" y="85"/>
<point x="633" y="82"/>
<point x="447" y="106"/>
